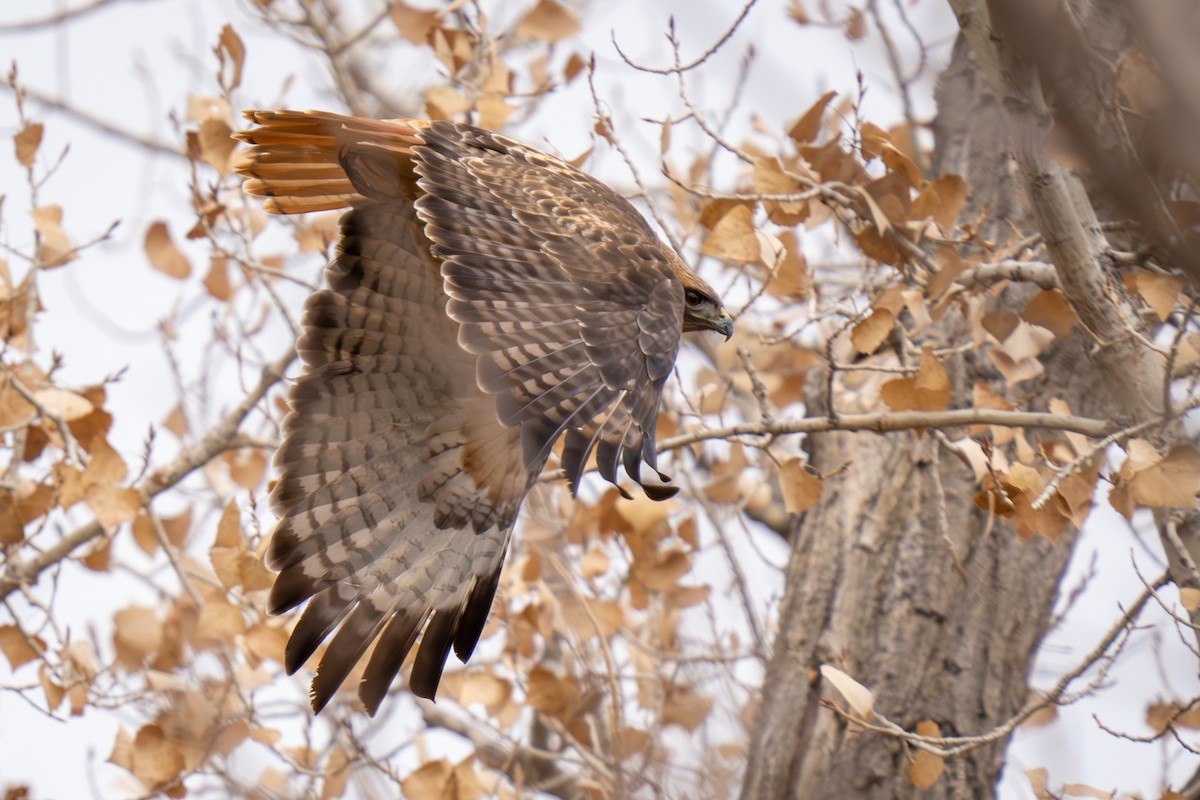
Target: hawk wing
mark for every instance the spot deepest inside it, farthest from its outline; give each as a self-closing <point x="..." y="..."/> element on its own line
<point x="485" y="300"/>
<point x="562" y="290"/>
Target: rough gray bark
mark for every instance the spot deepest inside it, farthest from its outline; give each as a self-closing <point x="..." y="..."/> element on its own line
<point x="874" y="588"/>
<point x="872" y="583"/>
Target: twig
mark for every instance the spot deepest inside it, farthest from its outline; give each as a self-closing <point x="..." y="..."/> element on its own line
<point x="605" y="120"/>
<point x="55" y="19"/>
<point x="101" y="125"/>
<point x="1083" y="458"/>
<point x="760" y="389"/>
<point x="541" y="768"/>
<point x="70" y="445"/>
<point x="215" y="442"/>
<point x="678" y="68"/>
<point x="950" y="746"/>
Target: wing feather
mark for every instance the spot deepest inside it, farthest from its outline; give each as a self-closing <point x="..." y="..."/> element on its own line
<point x="538" y="232"/>
<point x="486" y="301"/>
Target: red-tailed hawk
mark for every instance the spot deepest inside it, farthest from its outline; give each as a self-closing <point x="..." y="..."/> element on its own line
<point x="486" y="299"/>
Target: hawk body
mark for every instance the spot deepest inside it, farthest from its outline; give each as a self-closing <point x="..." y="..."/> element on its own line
<point x="485" y="301"/>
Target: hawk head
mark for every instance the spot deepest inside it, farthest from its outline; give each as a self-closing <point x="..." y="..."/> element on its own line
<point x="702" y="311"/>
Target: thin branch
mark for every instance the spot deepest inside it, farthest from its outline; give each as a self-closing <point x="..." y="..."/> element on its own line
<point x="950" y="746"/>
<point x="70" y="445"/>
<point x="1039" y="273"/>
<point x="55" y="19"/>
<point x="677" y="68"/>
<point x="102" y="125"/>
<point x="898" y="421"/>
<point x="218" y="440"/>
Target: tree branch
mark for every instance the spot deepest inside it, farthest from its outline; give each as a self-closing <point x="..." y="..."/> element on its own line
<point x="899" y="421"/>
<point x="220" y="438"/>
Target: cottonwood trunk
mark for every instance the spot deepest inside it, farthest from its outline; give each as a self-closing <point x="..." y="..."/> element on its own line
<point x="896" y="577"/>
<point x="876" y="588"/>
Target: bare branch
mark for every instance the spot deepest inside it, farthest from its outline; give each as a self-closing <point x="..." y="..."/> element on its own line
<point x="898" y="421"/>
<point x="218" y="440"/>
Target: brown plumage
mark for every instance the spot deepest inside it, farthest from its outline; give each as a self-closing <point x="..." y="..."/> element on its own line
<point x="485" y="300"/>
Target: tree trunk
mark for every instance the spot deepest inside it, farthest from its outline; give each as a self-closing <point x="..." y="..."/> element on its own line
<point x="897" y="580"/>
<point x="895" y="577"/>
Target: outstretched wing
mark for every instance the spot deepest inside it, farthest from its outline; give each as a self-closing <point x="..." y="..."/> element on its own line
<point x="562" y="290"/>
<point x="397" y="485"/>
<point x="486" y="299"/>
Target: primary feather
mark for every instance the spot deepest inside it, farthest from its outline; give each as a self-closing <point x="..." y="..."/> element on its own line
<point x="485" y="300"/>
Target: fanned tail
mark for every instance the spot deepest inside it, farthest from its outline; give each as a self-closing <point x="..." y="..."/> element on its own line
<point x="296" y="159"/>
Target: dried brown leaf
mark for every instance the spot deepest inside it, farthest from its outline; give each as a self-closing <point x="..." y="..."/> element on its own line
<point x="493" y="111"/>
<point x="338" y="769"/>
<point x="664" y="572"/>
<point x="155" y="759"/>
<point x="792" y="279"/>
<point x="686" y="596"/>
<point x="318" y="233"/>
<point x="264" y="641"/>
<point x="800" y="488"/>
<point x="629" y="742"/>
<point x="26" y="142"/>
<point x="1014" y="371"/>
<point x="941" y="200"/>
<point x="54" y="249"/>
<point x="588" y="616"/>
<point x="137" y="633"/>
<point x="808" y="126"/>
<point x="684" y="707"/>
<point x="122" y="750"/>
<point x="768" y="177"/>
<point x="219" y="622"/>
<point x="926" y="768"/>
<point x="12" y="527"/>
<point x="18" y="647"/>
<point x="1159" y="291"/>
<point x="246" y="466"/>
<point x="1049" y="308"/>
<point x="429" y="781"/>
<point x="216" y="282"/>
<point x="445" y="102"/>
<point x="64" y="403"/>
<point x="594" y="563"/>
<point x="928" y="390"/>
<point x="231" y="55"/>
<point x="413" y="24"/>
<point x="216" y="146"/>
<point x="950" y="266"/>
<point x="554" y="696"/>
<point x="53" y="691"/>
<point x="873" y="331"/>
<point x="732" y="237"/>
<point x="548" y="22"/>
<point x="1000" y="323"/>
<point x="143" y="534"/>
<point x="856" y="24"/>
<point x="162" y="252"/>
<point x="486" y="689"/>
<point x="1169" y="483"/>
<point x="1189" y="598"/>
<point x="113" y="505"/>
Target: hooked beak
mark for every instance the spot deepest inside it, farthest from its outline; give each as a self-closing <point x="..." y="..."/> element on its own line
<point x="724" y="324"/>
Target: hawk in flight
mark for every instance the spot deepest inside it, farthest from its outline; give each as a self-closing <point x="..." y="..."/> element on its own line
<point x="486" y="300"/>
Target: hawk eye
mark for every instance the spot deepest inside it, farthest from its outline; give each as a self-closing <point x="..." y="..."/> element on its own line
<point x="693" y="297"/>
